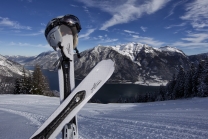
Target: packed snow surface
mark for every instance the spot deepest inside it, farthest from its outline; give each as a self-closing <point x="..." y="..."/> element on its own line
<point x="21" y="115"/>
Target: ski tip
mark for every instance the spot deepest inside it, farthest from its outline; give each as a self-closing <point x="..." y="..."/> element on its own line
<point x="108" y="61"/>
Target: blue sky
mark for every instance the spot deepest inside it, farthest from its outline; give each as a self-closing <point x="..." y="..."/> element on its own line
<point x="177" y="23"/>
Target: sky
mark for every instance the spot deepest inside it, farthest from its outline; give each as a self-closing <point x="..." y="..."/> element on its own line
<point x="177" y="23"/>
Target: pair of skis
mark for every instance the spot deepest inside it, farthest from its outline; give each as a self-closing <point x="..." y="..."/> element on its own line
<point x="73" y="103"/>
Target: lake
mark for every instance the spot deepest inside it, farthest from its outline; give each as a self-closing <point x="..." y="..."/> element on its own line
<point x="108" y="93"/>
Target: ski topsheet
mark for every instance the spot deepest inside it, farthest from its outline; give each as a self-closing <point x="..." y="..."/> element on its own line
<point x="76" y="100"/>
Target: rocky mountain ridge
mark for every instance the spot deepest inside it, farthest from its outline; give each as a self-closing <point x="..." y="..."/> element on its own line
<point x="135" y="62"/>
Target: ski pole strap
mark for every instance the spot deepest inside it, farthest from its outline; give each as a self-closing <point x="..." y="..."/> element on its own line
<point x="77" y="52"/>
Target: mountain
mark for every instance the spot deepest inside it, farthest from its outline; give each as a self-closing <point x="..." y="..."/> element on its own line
<point x="45" y="60"/>
<point x="125" y="68"/>
<point x="20" y="59"/>
<point x="9" y="68"/>
<point x="134" y="62"/>
<point x="197" y="58"/>
<point x="137" y="63"/>
<point x="9" y="71"/>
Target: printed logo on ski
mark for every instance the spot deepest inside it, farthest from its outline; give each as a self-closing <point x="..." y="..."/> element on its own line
<point x="68" y="49"/>
<point x="52" y="36"/>
<point x="95" y="86"/>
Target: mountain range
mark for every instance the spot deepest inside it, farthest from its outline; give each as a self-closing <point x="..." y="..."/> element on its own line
<point x="134" y="62"/>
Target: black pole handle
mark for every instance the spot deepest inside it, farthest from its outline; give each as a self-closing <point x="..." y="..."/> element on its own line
<point x="77" y="51"/>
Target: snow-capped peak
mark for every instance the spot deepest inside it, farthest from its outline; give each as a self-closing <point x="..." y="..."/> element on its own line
<point x="131" y="49"/>
<point x="128" y="49"/>
<point x="171" y="49"/>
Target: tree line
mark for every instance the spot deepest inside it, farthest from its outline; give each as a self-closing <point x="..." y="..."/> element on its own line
<point x="7" y="84"/>
<point x="35" y="83"/>
<point x="191" y="83"/>
<point x="184" y="84"/>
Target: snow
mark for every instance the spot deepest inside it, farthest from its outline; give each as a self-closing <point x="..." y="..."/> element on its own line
<point x="6" y="64"/>
<point x="21" y="115"/>
<point x="171" y="49"/>
<point x="131" y="49"/>
<point x="128" y="49"/>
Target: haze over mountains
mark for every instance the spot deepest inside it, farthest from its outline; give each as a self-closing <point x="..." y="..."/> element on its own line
<point x="135" y="62"/>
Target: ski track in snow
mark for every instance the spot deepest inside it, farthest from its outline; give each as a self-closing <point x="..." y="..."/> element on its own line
<point x="151" y="121"/>
<point x="33" y="118"/>
<point x="179" y="119"/>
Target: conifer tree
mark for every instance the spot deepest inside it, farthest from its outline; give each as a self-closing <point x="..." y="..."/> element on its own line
<point x="40" y="85"/>
<point x="162" y="91"/>
<point x="197" y="78"/>
<point x="188" y="85"/>
<point x="178" y="91"/>
<point x="203" y="82"/>
<point x="169" y="88"/>
<point x="17" y="86"/>
<point x="28" y="83"/>
<point x="24" y="82"/>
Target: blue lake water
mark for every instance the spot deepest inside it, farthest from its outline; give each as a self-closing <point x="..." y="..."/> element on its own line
<point x="109" y="92"/>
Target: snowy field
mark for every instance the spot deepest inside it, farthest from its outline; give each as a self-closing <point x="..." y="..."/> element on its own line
<point x="21" y="115"/>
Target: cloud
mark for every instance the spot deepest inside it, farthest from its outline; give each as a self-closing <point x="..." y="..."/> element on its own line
<point x="104" y="39"/>
<point x="146" y="40"/>
<point x="150" y="41"/>
<point x="196" y="37"/>
<point x="29" y="45"/>
<point x="131" y="32"/>
<point x="143" y="28"/>
<point x="108" y="40"/>
<point x="179" y="25"/>
<point x="86" y="10"/>
<point x="179" y="30"/>
<point x="193" y="41"/>
<point x="185" y="45"/>
<point x="41" y="32"/>
<point x="43" y="24"/>
<point x="12" y="24"/>
<point x="73" y="5"/>
<point x="125" y="11"/>
<point x="196" y="13"/>
<point x="174" y="6"/>
<point x="87" y="34"/>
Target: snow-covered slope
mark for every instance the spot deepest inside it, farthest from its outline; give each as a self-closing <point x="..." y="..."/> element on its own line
<point x="9" y="68"/>
<point x="171" y="49"/>
<point x="21" y="115"/>
<point x="45" y="60"/>
<point x="132" y="49"/>
<point x="129" y="49"/>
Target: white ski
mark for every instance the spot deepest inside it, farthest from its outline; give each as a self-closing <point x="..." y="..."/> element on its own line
<point x="75" y="101"/>
<point x="67" y="82"/>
